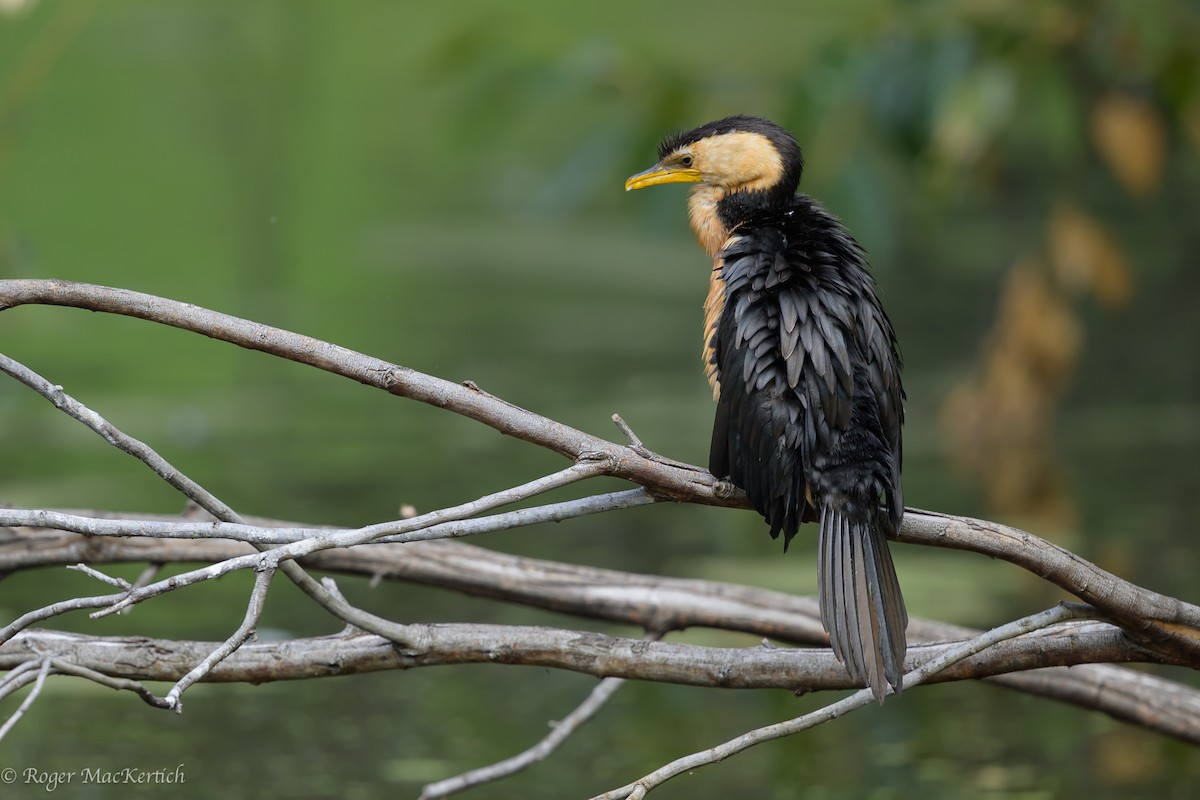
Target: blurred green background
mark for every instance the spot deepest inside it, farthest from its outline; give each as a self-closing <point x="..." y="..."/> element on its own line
<point x="441" y="186"/>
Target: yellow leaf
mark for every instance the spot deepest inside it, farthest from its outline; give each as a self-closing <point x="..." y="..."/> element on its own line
<point x="997" y="422"/>
<point x="1130" y="136"/>
<point x="1085" y="257"/>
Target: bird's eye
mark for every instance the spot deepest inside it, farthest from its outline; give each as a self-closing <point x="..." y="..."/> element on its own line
<point x="686" y="161"/>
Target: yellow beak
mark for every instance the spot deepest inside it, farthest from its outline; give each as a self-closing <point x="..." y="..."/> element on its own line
<point x="660" y="174"/>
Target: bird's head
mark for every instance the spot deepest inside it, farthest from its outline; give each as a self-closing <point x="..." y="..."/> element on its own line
<point x="731" y="155"/>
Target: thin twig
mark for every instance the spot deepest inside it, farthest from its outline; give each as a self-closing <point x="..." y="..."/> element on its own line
<point x="33" y="695"/>
<point x="634" y="441"/>
<point x="195" y="493"/>
<point x="120" y="583"/>
<point x="325" y="540"/>
<point x="24" y="679"/>
<point x="53" y="610"/>
<point x="190" y="489"/>
<point x="117" y="438"/>
<point x="581" y="470"/>
<point x="639" y="788"/>
<point x="160" y="529"/>
<point x="637" y="446"/>
<point x="120" y="684"/>
<point x="257" y="534"/>
<point x="535" y="515"/>
<point x="559" y="733"/>
<point x="254" y="610"/>
<point x="13" y="680"/>
<point x="589" y="463"/>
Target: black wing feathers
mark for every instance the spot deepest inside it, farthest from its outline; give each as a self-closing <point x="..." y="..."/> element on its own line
<point x="809" y="417"/>
<point x="789" y="336"/>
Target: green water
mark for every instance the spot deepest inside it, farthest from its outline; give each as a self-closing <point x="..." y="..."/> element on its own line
<point x="441" y="187"/>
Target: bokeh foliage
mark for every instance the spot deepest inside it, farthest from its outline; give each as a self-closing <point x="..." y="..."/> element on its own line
<point x="440" y="185"/>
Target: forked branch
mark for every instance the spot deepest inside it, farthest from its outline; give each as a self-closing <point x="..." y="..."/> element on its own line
<point x="1138" y="625"/>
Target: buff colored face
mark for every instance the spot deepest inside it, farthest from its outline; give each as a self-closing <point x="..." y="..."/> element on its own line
<point x="735" y="161"/>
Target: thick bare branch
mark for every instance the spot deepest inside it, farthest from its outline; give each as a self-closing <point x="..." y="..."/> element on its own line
<point x="1164" y="622"/>
<point x="587" y="652"/>
<point x="913" y="677"/>
<point x="646" y="601"/>
<point x="468" y="400"/>
<point x="1170" y="626"/>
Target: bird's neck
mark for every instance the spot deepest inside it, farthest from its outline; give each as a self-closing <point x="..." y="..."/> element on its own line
<point x="716" y="212"/>
<point x="704" y="214"/>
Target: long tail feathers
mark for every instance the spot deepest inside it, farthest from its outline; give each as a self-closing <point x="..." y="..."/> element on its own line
<point x="860" y="600"/>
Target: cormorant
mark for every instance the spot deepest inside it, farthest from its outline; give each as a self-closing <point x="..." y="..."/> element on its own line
<point x="805" y="369"/>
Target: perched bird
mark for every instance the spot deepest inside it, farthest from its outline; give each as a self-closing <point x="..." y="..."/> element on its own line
<point x="805" y="369"/>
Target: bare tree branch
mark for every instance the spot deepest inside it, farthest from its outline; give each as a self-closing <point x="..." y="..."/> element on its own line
<point x="174" y="477"/>
<point x="39" y="681"/>
<point x="1160" y="621"/>
<point x="651" y="602"/>
<point x="273" y="558"/>
<point x="177" y="528"/>
<point x="111" y="682"/>
<point x="120" y="583"/>
<point x="596" y="654"/>
<point x="641" y="787"/>
<point x="134" y="447"/>
<point x="559" y="731"/>
<point x="468" y="400"/>
<point x="258" y="597"/>
<point x="18" y="677"/>
<point x="1147" y="626"/>
<point x="53" y="610"/>
<point x="588" y="464"/>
